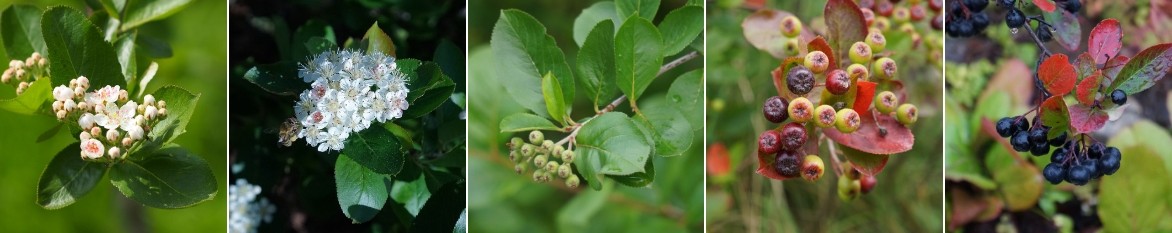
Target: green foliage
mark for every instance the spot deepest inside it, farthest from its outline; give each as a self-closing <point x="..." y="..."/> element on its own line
<point x="75" y="47"/>
<point x="169" y="178"/>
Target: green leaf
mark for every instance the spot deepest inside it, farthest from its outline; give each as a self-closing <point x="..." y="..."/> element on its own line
<point x="524" y="122"/>
<point x="180" y="105"/>
<point x="126" y="57"/>
<point x="442" y="210"/>
<point x="318" y="45"/>
<point x="687" y="95"/>
<point x="429" y="88"/>
<point x="138" y="12"/>
<point x="31" y="100"/>
<point x="67" y="178"/>
<point x="76" y="49"/>
<point x="1055" y="115"/>
<point x="168" y="178"/>
<point x="596" y="64"/>
<point x="680" y="27"/>
<point x="638" y="179"/>
<point x="1134" y="198"/>
<point x="1067" y="30"/>
<point x="524" y="53"/>
<point x="20" y="29"/>
<point x="613" y="140"/>
<point x="301" y="46"/>
<point x="576" y="214"/>
<point x="1144" y="70"/>
<point x="1019" y="181"/>
<point x="638" y="55"/>
<point x="586" y="22"/>
<point x="277" y="78"/>
<point x="641" y="8"/>
<point x="551" y="91"/>
<point x="377" y="40"/>
<point x="376" y="149"/>
<point x="361" y="191"/>
<point x="669" y="129"/>
<point x="411" y="194"/>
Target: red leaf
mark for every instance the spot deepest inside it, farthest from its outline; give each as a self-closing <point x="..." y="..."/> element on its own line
<point x="899" y="139"/>
<point x="845" y="24"/>
<point x="820" y="44"/>
<point x="1113" y="67"/>
<point x="1057" y="74"/>
<point x="863" y="98"/>
<point x="866" y="163"/>
<point x="1086" y="119"/>
<point x="1088" y="88"/>
<point x="1105" y="41"/>
<point x="1045" y="5"/>
<point x="718" y="160"/>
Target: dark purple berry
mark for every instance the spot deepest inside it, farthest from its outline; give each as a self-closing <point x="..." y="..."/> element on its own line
<point x="980" y="21"/>
<point x="775" y="109"/>
<point x="1072" y="6"/>
<point x="1006" y="3"/>
<point x="1096" y="150"/>
<point x="793" y="136"/>
<point x="1078" y="175"/>
<point x="1005" y="127"/>
<point x="976" y="5"/>
<point x="1015" y="18"/>
<point x="1058" y="140"/>
<point x="788" y="164"/>
<point x="1039" y="148"/>
<point x="1059" y="155"/>
<point x="1038" y="136"/>
<point x="769" y="142"/>
<point x="1021" y="142"/>
<point x="1043" y="32"/>
<point x="1118" y="97"/>
<point x="1110" y="161"/>
<point x="1054" y="173"/>
<point x="800" y="80"/>
<point x="1020" y="124"/>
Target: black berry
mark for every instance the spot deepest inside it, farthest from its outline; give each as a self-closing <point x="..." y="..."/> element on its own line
<point x="775" y="109"/>
<point x="1020" y="124"/>
<point x="1096" y="150"/>
<point x="1006" y="3"/>
<point x="1005" y="127"/>
<point x="976" y="5"/>
<point x="1038" y="136"/>
<point x="980" y="21"/>
<point x="793" y="136"/>
<point x="1059" y="155"/>
<point x="1118" y="97"/>
<point x="1092" y="166"/>
<point x="1110" y="161"/>
<point x="799" y="80"/>
<point x="788" y="164"/>
<point x="1039" y="149"/>
<point x="1021" y="142"/>
<point x="1058" y="140"/>
<point x="1054" y="173"/>
<point x="1015" y="18"/>
<point x="1078" y="175"/>
<point x="1072" y="6"/>
<point x="1043" y="32"/>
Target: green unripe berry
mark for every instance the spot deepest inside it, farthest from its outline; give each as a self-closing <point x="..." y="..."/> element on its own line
<point x="881" y="24"/>
<point x="848" y="189"/>
<point x="791" y="47"/>
<point x="539" y="176"/>
<point x="877" y="41"/>
<point x="884" y="68"/>
<point x="800" y="110"/>
<point x="564" y="171"/>
<point x="519" y="168"/>
<point x="572" y="182"/>
<point x="552" y="166"/>
<point x="817" y="61"/>
<point x="547" y="144"/>
<point x="858" y="72"/>
<point x="847" y="120"/>
<point x="791" y="26"/>
<point x="540" y="161"/>
<point x="901" y="14"/>
<point x="824" y="116"/>
<point x="515" y="156"/>
<point x="516" y="143"/>
<point x="886" y="102"/>
<point x="907" y="114"/>
<point x="557" y="152"/>
<point x="860" y="52"/>
<point x="568" y="156"/>
<point x="536" y="137"/>
<point x="528" y="150"/>
<point x="812" y="168"/>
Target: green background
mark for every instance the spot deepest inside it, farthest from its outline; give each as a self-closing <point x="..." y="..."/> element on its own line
<point x="198" y="41"/>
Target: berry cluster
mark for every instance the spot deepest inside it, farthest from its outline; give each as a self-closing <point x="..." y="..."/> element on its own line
<point x="24" y="73"/>
<point x="111" y="123"/>
<point x="550" y="159"/>
<point x="854" y="183"/>
<point x="968" y="19"/>
<point x="1075" y="161"/>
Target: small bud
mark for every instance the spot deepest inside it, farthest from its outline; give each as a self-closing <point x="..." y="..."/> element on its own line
<point x="70" y="105"/>
<point x="61" y="114"/>
<point x="112" y="135"/>
<point x="31" y="61"/>
<point x="21" y="88"/>
<point x="96" y="131"/>
<point x="78" y="92"/>
<point x="115" y="152"/>
<point x="150" y="112"/>
<point x="127" y="141"/>
<point x="162" y="112"/>
<point x="148" y="99"/>
<point x="572" y="182"/>
<point x="83" y="106"/>
<point x="83" y="82"/>
<point x="519" y="168"/>
<point x="139" y="109"/>
<point x="43" y="62"/>
<point x="84" y="135"/>
<point x="565" y="171"/>
<point x="16" y="64"/>
<point x="535" y="137"/>
<point x="21" y="74"/>
<point x="162" y="104"/>
<point x="58" y="105"/>
<point x="123" y="95"/>
<point x="7" y="77"/>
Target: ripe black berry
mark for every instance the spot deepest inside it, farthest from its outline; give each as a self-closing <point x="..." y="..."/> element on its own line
<point x="1039" y="148"/>
<point x="980" y="21"/>
<point x="1110" y="161"/>
<point x="976" y="5"/>
<point x="1072" y="6"/>
<point x="1059" y="155"/>
<point x="1078" y="175"/>
<point x="1021" y="141"/>
<point x="775" y="109"/>
<point x="788" y="164"/>
<point x="962" y="27"/>
<point x="1054" y="173"/>
<point x="1058" y="140"/>
<point x="793" y="136"/>
<point x="1092" y="166"/>
<point x="769" y="142"/>
<point x="1015" y="18"/>
<point x="1005" y="127"/>
<point x="799" y="80"/>
<point x="1006" y="3"/>
<point x="1096" y="150"/>
<point x="1118" y="97"/>
<point x="1038" y="136"/>
<point x="1043" y="32"/>
<point x="1021" y="124"/>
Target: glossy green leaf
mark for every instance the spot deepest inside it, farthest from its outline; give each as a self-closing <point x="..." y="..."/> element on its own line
<point x="277" y="78"/>
<point x="638" y="179"/>
<point x="31" y="100"/>
<point x="1019" y="181"/>
<point x="680" y="27"/>
<point x="376" y="149"/>
<point x="377" y="40"/>
<point x="1067" y="30"/>
<point x="180" y="105"/>
<point x="317" y="45"/>
<point x="429" y="87"/>
<point x="596" y="64"/>
<point x="411" y="194"/>
<point x="613" y="140"/>
<point x="76" y="48"/>
<point x="67" y="178"/>
<point x="20" y="30"/>
<point x="168" y="178"/>
<point x="586" y="22"/>
<point x="442" y="210"/>
<point x="524" y="53"/>
<point x="638" y="55"/>
<point x="668" y="128"/>
<point x="642" y="8"/>
<point x="126" y="57"/>
<point x="361" y="191"/>
<point x="1134" y="199"/>
<point x="551" y="91"/>
<point x="300" y="46"/>
<point x="1147" y="68"/>
<point x="524" y="122"/>
<point x="687" y="95"/>
<point x="139" y="12"/>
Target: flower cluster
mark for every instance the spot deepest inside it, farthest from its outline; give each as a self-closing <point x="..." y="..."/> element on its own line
<point x="348" y="91"/>
<point x="247" y="209"/>
<point x="110" y="122"/>
<point x="23" y="73"/>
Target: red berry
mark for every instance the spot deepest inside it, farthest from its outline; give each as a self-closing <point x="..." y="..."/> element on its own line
<point x="775" y="109"/>
<point x="793" y="136"/>
<point x="769" y="142"/>
<point x="867" y="182"/>
<point x="838" y="82"/>
<point x="918" y="12"/>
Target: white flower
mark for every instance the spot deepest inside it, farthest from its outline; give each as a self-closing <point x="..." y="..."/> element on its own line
<point x="69" y="104"/>
<point x="114" y="117"/>
<point x="114" y="152"/>
<point x="86" y="121"/>
<point x="135" y="132"/>
<point x="150" y="111"/>
<point x="246" y="208"/>
<point x="62" y="93"/>
<point x="92" y="148"/>
<point x="349" y="91"/>
<point x="108" y="94"/>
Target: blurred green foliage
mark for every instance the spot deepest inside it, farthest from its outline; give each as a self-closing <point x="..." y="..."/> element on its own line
<point x="909" y="194"/>
<point x="196" y="37"/>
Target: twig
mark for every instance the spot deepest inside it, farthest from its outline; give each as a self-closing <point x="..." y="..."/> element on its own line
<point x="833" y="155"/>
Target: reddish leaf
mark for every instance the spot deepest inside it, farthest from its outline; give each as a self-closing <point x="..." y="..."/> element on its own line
<point x="1085" y="65"/>
<point x="1088" y="89"/>
<point x="779" y="76"/>
<point x="820" y="44"/>
<point x="1105" y="41"/>
<point x="1111" y="70"/>
<point x="717" y="158"/>
<point x="1055" y="115"/>
<point x="1057" y="74"/>
<point x="1085" y="119"/>
<point x="1144" y="70"/>
<point x="866" y="163"/>
<point x="899" y="139"/>
<point x="761" y="29"/>
<point x="863" y="98"/>
<point x="1067" y="31"/>
<point x="845" y="24"/>
<point x="1045" y="5"/>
